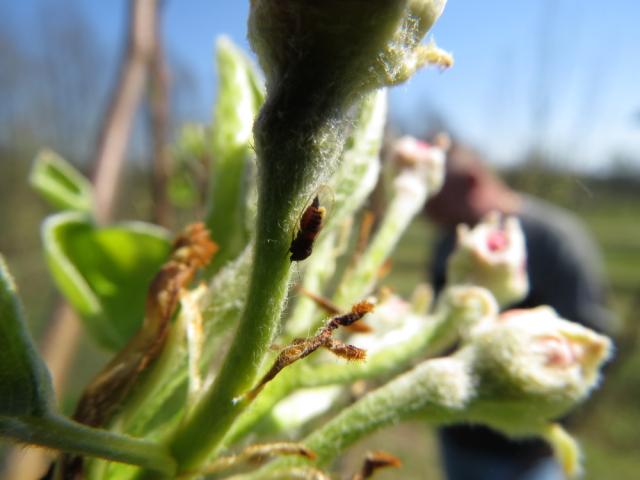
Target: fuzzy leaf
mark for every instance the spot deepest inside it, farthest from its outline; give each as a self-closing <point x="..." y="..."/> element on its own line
<point x="60" y="183"/>
<point x="239" y="97"/>
<point x="104" y="272"/>
<point x="25" y="386"/>
<point x="190" y="157"/>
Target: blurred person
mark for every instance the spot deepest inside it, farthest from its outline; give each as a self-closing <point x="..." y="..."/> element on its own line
<point x="564" y="270"/>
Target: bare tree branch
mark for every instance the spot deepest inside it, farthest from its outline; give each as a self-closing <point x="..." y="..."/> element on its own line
<point x="127" y="94"/>
<point x="159" y="103"/>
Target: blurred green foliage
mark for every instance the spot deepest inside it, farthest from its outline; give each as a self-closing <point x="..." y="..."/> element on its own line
<point x="104" y="272"/>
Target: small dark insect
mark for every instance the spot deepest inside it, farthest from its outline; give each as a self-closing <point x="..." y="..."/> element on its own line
<point x="310" y="226"/>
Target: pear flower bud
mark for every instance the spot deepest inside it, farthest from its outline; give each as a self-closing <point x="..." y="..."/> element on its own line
<point x="491" y="255"/>
<point x="421" y="172"/>
<point x="426" y="160"/>
<point x="332" y="44"/>
<point x="537" y="364"/>
<point x="468" y="308"/>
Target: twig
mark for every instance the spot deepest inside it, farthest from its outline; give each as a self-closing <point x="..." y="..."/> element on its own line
<point x="159" y="104"/>
<point x="126" y="96"/>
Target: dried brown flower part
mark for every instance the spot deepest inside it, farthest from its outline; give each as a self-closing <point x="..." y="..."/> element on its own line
<point x="385" y="269"/>
<point x="299" y="473"/>
<point x="322" y="302"/>
<point x="358" y="311"/>
<point x="256" y="455"/>
<point x="360" y="327"/>
<point x="332" y="309"/>
<point x="192" y="250"/>
<point x="302" y="347"/>
<point x="375" y="461"/>
<point x="364" y="235"/>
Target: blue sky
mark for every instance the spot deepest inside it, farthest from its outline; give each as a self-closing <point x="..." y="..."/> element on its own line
<point x="560" y="73"/>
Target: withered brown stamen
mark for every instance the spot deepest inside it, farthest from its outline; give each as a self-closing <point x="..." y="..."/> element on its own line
<point x="256" y="455"/>
<point x="322" y="302"/>
<point x="332" y="309"/>
<point x="374" y="461"/>
<point x="302" y="347"/>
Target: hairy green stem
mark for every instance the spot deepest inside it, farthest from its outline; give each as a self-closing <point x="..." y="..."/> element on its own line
<point x="204" y="428"/>
<point x="386" y="406"/>
<point x="62" y="434"/>
<point x="425" y="391"/>
<point x="353" y="181"/>
<point x="313" y="83"/>
<point x="293" y="153"/>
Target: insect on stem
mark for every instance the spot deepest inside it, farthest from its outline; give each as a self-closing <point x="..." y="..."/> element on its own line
<point x="311" y="223"/>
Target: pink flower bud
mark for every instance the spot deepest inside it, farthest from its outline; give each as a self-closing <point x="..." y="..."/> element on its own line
<point x="491" y="255"/>
<point x="425" y="159"/>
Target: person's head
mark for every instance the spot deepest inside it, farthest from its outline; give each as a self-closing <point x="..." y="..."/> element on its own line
<point x="470" y="191"/>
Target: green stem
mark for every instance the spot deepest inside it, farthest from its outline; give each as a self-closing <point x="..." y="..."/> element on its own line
<point x="436" y="390"/>
<point x="296" y="148"/>
<point x="203" y="430"/>
<point x="268" y="398"/>
<point x="63" y="434"/>
<point x="383" y="407"/>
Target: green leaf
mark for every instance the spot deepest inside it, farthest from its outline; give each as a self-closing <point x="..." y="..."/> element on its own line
<point x="190" y="154"/>
<point x="25" y="386"/>
<point x="104" y="272"/>
<point x="239" y="98"/>
<point x="26" y="410"/>
<point x="60" y="183"/>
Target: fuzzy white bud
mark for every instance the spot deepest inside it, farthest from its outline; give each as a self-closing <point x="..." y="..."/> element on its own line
<point x="534" y="359"/>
